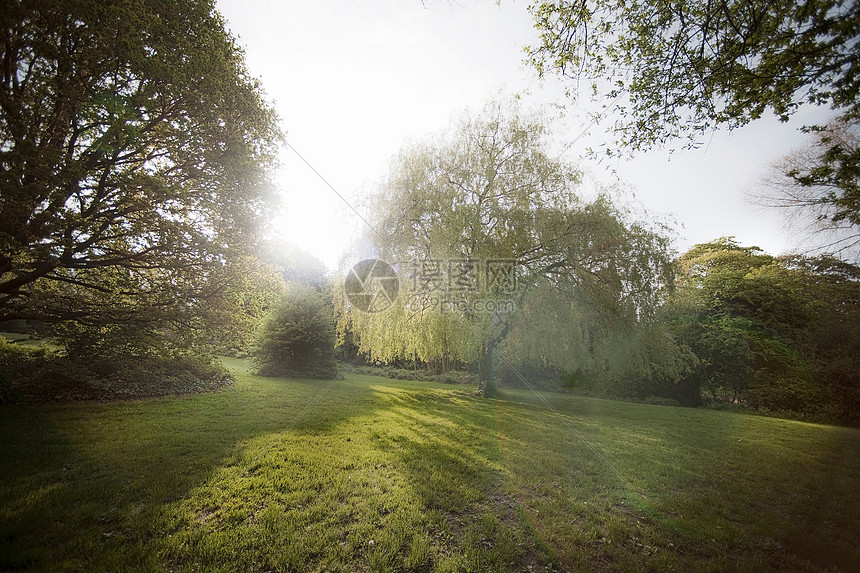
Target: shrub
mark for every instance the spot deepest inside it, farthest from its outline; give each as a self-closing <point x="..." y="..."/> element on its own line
<point x="29" y="375"/>
<point x="297" y="337"/>
<point x="457" y="377"/>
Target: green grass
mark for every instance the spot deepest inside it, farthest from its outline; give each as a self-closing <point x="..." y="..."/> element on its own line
<point x="372" y="474"/>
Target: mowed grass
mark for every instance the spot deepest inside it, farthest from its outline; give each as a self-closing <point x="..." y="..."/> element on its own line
<point x="371" y="474"/>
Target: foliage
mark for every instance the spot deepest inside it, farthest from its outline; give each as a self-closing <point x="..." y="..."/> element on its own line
<point x="529" y="376"/>
<point x="658" y="401"/>
<point x="667" y="70"/>
<point x="295" y="264"/>
<point x="595" y="311"/>
<point x="111" y="341"/>
<point x="32" y="375"/>
<point x="238" y="296"/>
<point x="386" y="371"/>
<point x="832" y="340"/>
<point x="819" y="186"/>
<point x="240" y="293"/>
<point x="680" y="68"/>
<point x="134" y="149"/>
<point x="231" y="304"/>
<point x="768" y="331"/>
<point x="473" y="195"/>
<point x="297" y="337"/>
<point x="492" y="190"/>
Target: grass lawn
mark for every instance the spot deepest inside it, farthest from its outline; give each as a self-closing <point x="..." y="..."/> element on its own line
<point x="371" y="474"/>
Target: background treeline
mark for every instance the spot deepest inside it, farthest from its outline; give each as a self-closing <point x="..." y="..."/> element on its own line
<point x="776" y="335"/>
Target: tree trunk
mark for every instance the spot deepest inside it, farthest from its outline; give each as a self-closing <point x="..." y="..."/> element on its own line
<point x="487" y="372"/>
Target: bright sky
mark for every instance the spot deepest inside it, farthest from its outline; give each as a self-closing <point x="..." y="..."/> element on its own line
<point x="354" y="80"/>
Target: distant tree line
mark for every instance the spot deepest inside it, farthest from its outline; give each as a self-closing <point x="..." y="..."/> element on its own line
<point x="774" y="334"/>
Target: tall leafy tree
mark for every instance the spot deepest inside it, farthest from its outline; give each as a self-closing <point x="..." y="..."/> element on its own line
<point x="477" y="194"/>
<point x="134" y="149"/>
<point x="490" y="191"/>
<point x="772" y="332"/>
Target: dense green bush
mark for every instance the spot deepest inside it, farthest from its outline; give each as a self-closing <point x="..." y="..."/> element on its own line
<point x="29" y="375"/>
<point x="297" y="337"/>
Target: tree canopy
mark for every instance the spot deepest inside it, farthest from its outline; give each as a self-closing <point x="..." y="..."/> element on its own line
<point x="491" y="191"/>
<point x="772" y="332"/>
<point x="477" y="194"/>
<point x="671" y="69"/>
<point x="294" y="263"/>
<point x="134" y="149"/>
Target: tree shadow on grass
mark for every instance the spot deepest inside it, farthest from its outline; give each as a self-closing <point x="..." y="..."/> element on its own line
<point x="446" y="444"/>
<point x="286" y="475"/>
<point x="94" y="486"/>
<point x="599" y="485"/>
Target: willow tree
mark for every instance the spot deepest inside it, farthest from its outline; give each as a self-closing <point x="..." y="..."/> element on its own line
<point x="475" y="220"/>
<point x="134" y="149"/>
<point x="594" y="301"/>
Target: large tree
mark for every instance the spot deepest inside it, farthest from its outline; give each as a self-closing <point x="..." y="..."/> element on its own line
<point x="134" y="149"/>
<point x="678" y="68"/>
<point x="774" y="332"/>
<point x="479" y="218"/>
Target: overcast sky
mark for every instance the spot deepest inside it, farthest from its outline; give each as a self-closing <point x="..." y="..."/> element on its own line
<point x="354" y="80"/>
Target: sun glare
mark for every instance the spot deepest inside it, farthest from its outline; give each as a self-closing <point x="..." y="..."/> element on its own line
<point x="312" y="216"/>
